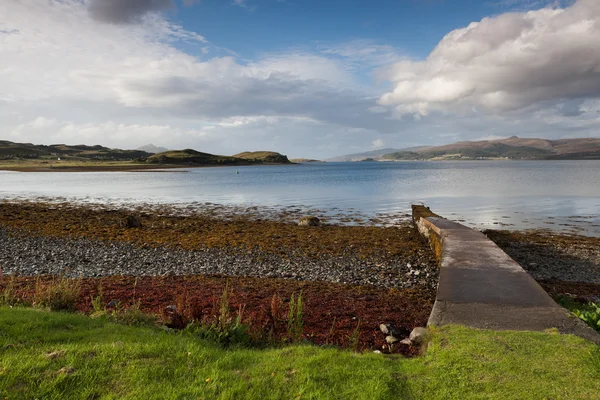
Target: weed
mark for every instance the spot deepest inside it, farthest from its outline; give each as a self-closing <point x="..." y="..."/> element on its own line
<point x="295" y="320"/>
<point x="354" y="337"/>
<point x="7" y="296"/>
<point x="588" y="312"/>
<point x="224" y="329"/>
<point x="59" y="294"/>
<point x="275" y="311"/>
<point x="97" y="302"/>
<point x="132" y="315"/>
<point x="331" y="333"/>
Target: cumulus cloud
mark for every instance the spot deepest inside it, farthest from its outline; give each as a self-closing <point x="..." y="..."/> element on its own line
<point x="125" y="11"/>
<point x="134" y="75"/>
<point x="377" y="144"/>
<point x="509" y="62"/>
<point x="136" y="85"/>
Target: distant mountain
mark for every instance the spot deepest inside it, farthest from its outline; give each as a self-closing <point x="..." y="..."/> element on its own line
<point x="513" y="148"/>
<point x="363" y="155"/>
<point x="11" y="150"/>
<point x="150" y="148"/>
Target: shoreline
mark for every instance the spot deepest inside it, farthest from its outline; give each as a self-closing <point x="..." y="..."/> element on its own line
<point x="41" y="238"/>
<point x="89" y="240"/>
<point x="124" y="168"/>
<point x="353" y="278"/>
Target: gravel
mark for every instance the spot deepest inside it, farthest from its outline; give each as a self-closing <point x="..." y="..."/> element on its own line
<point x="546" y="257"/>
<point x="39" y="255"/>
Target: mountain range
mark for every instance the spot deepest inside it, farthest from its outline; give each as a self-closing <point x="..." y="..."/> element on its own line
<point x="513" y="148"/>
<point x="150" y="148"/>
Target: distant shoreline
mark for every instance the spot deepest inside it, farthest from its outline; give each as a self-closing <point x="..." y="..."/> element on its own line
<point x="119" y="167"/>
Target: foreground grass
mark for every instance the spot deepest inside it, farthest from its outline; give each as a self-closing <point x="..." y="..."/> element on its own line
<point x="55" y="355"/>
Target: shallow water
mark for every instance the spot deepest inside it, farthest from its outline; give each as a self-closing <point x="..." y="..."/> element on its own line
<point x="557" y="195"/>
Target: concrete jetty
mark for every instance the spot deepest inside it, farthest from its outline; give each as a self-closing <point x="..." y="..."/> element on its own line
<point x="482" y="287"/>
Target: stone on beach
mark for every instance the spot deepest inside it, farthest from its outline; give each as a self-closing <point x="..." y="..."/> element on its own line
<point x="131" y="221"/>
<point x="309" y="221"/>
<point x="417" y="336"/>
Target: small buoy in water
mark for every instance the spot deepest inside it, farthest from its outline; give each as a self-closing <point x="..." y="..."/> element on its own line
<point x="237" y="172"/>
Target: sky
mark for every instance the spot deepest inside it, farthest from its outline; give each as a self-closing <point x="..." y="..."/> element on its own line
<point x="306" y="78"/>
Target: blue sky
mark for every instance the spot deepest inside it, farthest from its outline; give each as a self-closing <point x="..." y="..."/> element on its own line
<point x="306" y="78"/>
<point x="260" y="26"/>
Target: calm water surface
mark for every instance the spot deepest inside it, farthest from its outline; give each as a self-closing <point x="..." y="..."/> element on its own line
<point x="562" y="195"/>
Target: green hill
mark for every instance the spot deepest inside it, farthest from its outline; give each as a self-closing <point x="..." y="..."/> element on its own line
<point x="83" y="156"/>
<point x="263" y="156"/>
<point x="189" y="156"/>
<point x="10" y="150"/>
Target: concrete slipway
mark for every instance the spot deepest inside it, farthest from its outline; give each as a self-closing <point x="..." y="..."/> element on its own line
<point x="482" y="287"/>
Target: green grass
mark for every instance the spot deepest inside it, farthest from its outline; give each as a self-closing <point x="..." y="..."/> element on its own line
<point x="93" y="358"/>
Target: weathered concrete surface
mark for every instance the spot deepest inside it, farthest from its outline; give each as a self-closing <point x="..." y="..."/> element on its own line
<point x="482" y="287"/>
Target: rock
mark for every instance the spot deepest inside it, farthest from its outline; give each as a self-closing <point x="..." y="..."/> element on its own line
<point x="384" y="329"/>
<point x="309" y="221"/>
<point x="377" y="351"/>
<point x="406" y="341"/>
<point x="417" y="336"/>
<point x="389" y="329"/>
<point x="131" y="221"/>
<point x="390" y="339"/>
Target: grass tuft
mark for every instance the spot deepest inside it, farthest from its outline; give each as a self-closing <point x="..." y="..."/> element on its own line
<point x="59" y="294"/>
<point x="295" y="319"/>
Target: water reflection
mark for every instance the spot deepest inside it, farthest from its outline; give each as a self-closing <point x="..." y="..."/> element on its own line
<point x="509" y="194"/>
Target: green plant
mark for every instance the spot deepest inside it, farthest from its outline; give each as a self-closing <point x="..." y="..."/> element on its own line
<point x="275" y="310"/>
<point x="59" y="294"/>
<point x="132" y="315"/>
<point x="295" y="319"/>
<point x="7" y="296"/>
<point x="354" y="337"/>
<point x="331" y="331"/>
<point x="224" y="329"/>
<point x="590" y="313"/>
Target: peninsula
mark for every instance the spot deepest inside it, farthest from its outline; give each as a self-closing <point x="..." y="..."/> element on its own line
<point x="28" y="157"/>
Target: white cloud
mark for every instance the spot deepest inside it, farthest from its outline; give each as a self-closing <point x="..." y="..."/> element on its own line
<point x="67" y="77"/>
<point x="504" y="63"/>
<point x="377" y="144"/>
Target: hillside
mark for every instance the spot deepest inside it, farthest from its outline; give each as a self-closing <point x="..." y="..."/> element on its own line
<point x="363" y="155"/>
<point x="263" y="156"/>
<point x="374" y="154"/>
<point x="189" y="156"/>
<point x="11" y="150"/>
<point x="513" y="148"/>
<point x="31" y="157"/>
